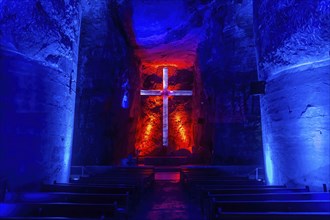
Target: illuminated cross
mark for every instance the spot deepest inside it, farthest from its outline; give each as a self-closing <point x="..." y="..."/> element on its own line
<point x="166" y="93"/>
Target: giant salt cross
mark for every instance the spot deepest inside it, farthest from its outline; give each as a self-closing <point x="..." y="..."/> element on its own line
<point x="166" y="93"/>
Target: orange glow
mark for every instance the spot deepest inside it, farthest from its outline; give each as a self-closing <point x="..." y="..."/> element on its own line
<point x="149" y="127"/>
<point x="179" y="64"/>
<point x="180" y="128"/>
<point x="157" y="65"/>
<point x="154" y="59"/>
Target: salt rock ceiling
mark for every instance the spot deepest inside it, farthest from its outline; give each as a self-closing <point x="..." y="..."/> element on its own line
<point x="169" y="31"/>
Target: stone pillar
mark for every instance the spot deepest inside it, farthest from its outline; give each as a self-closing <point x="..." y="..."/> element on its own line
<point x="107" y="74"/>
<point x="38" y="60"/>
<point x="292" y="41"/>
<point x="227" y="65"/>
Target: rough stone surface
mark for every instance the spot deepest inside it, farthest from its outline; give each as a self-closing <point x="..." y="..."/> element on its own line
<point x="215" y="40"/>
<point x="290" y="33"/>
<point x="295" y="62"/>
<point x="149" y="135"/>
<point x="38" y="58"/>
<point x="170" y="32"/>
<point x="295" y="115"/>
<point x="107" y="71"/>
<point x="225" y="67"/>
<point x="216" y="48"/>
<point x="46" y="31"/>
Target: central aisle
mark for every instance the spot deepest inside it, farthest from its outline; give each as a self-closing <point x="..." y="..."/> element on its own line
<point x="168" y="201"/>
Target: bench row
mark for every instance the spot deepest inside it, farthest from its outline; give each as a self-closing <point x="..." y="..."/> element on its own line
<point x="223" y="197"/>
<point x="91" y="199"/>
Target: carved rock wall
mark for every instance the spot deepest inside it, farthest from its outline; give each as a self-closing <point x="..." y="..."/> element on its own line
<point x="226" y="64"/>
<point x="293" y="58"/>
<point x="106" y="86"/>
<point x="150" y="130"/>
<point x="38" y="60"/>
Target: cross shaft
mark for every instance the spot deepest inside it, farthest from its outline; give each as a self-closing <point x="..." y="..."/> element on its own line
<point x="165" y="93"/>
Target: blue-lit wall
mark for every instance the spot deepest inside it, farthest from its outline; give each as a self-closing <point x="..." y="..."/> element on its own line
<point x="106" y="85"/>
<point x="226" y="65"/>
<point x="38" y="59"/>
<point x="292" y="40"/>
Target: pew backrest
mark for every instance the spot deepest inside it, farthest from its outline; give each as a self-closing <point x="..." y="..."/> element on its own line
<point x="122" y="200"/>
<point x="58" y="210"/>
<point x="273" y="206"/>
<point x="273" y="216"/>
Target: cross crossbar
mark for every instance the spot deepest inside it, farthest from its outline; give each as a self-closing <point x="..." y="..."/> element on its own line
<point x="165" y="93"/>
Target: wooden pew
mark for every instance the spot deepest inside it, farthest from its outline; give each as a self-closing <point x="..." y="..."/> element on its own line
<point x="142" y="183"/>
<point x="253" y="190"/>
<point x="96" y="170"/>
<point x="210" y="187"/>
<point x="123" y="201"/>
<point x="89" y="188"/>
<point x="132" y="190"/>
<point x="206" y="192"/>
<point x="224" y="182"/>
<point x="209" y="170"/>
<point x="88" y="195"/>
<point x="205" y="174"/>
<point x="121" y="172"/>
<point x="207" y="201"/>
<point x="46" y="218"/>
<point x="184" y="174"/>
<point x="194" y="186"/>
<point x="113" y="180"/>
<point x="75" y="210"/>
<point x="218" y="207"/>
<point x="228" y="197"/>
<point x="274" y="216"/>
<point x="272" y="196"/>
<point x="142" y="178"/>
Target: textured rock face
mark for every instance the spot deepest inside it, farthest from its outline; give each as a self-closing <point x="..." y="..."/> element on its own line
<point x="302" y="34"/>
<point x="168" y="32"/>
<point x="149" y="135"/>
<point x="229" y="117"/>
<point x="46" y="31"/>
<point x="38" y="61"/>
<point x="214" y="39"/>
<point x="294" y="62"/>
<point x="106" y="87"/>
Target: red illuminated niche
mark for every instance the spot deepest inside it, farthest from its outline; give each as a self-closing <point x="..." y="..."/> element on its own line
<point x="149" y="127"/>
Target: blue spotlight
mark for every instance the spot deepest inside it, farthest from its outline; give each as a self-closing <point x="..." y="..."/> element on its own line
<point x="124" y="102"/>
<point x="269" y="168"/>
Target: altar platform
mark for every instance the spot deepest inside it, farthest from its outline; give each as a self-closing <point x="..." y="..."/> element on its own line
<point x="163" y="160"/>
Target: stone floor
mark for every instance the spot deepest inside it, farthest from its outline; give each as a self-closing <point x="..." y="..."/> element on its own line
<point x="167" y="201"/>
